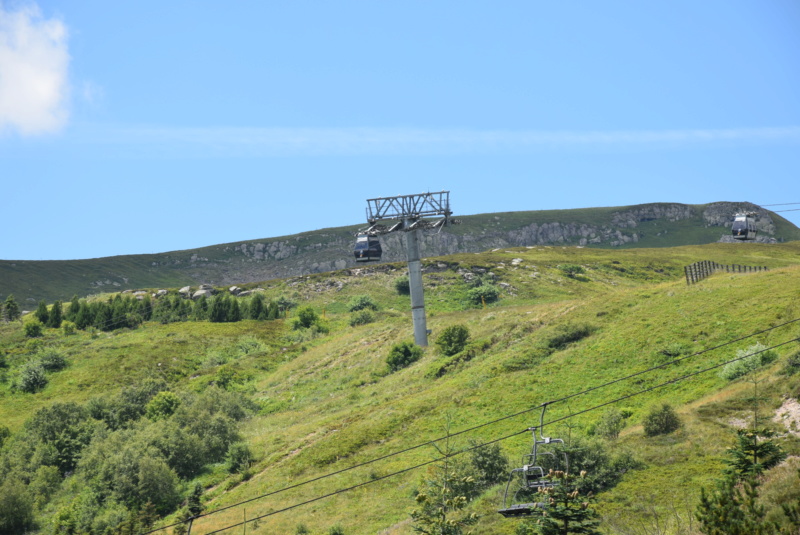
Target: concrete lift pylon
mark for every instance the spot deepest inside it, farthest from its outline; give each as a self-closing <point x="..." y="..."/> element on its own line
<point x="407" y="213"/>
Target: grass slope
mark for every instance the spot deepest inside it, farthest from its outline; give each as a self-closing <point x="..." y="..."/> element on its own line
<point x="328" y="403"/>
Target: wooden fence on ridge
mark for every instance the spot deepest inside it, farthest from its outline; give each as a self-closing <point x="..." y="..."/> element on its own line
<point x="700" y="270"/>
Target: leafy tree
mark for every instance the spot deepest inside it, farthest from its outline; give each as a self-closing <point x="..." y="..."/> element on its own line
<point x="565" y="508"/>
<point x="453" y="339"/>
<point x="485" y="293"/>
<point x="489" y="465"/>
<point x="41" y="312"/>
<point x="361" y="302"/>
<point x="162" y="405"/>
<point x="402" y="355"/>
<point x="611" y="424"/>
<point x="661" y="420"/>
<point x="238" y="457"/>
<point x="16" y="507"/>
<point x="11" y="308"/>
<point x="306" y="317"/>
<point x="56" y="317"/>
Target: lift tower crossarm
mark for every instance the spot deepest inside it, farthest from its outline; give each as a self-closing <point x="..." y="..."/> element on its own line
<point x="409" y="207"/>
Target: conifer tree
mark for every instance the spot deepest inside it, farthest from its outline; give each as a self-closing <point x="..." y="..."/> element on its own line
<point x="565" y="509"/>
<point x="754" y="453"/>
<point x="234" y="312"/>
<point x="41" y="312"/>
<point x="11" y="308"/>
<point x="256" y="308"/>
<point x="55" y="317"/>
<point x="733" y="509"/>
<point x="72" y="312"/>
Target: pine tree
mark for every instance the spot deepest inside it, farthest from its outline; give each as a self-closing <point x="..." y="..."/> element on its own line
<point x="754" y="452"/>
<point x="733" y="510"/>
<point x="55" y="318"/>
<point x="234" y="312"/>
<point x="11" y="309"/>
<point x="565" y="510"/>
<point x="41" y="312"/>
<point x="72" y="312"/>
<point x="256" y="308"/>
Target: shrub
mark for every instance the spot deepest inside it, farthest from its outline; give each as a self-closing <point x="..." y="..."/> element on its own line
<point x="792" y="365"/>
<point x="362" y="317"/>
<point x="33" y="327"/>
<point x="486" y="293"/>
<point x="402" y="355"/>
<point x="306" y="317"/>
<point x="52" y="360"/>
<point x="452" y="340"/>
<point x="568" y="334"/>
<point x="32" y="378"/>
<point x="749" y="359"/>
<point x="610" y="424"/>
<point x="361" y="302"/>
<point x="238" y="457"/>
<point x="402" y="286"/>
<point x="68" y="328"/>
<point x="573" y="272"/>
<point x="661" y="420"/>
<point x="490" y="466"/>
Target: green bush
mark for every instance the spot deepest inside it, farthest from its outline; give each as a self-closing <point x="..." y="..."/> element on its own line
<point x="661" y="420"/>
<point x="362" y="317"/>
<point x="402" y="286"/>
<point x="569" y="333"/>
<point x="162" y="406"/>
<point x="361" y="302"/>
<point x="33" y="327"/>
<point x="610" y="424"/>
<point x="749" y="359"/>
<point x="52" y="359"/>
<point x="573" y="271"/>
<point x="402" y="355"/>
<point x="489" y="465"/>
<point x="486" y="293"/>
<point x="68" y="328"/>
<point x="792" y="365"/>
<point x="306" y="317"/>
<point x="452" y="340"/>
<point x="238" y="457"/>
<point x="32" y="378"/>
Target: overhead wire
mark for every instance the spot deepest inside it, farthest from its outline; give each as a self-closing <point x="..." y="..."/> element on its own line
<point x="485" y="424"/>
<point x="549" y="422"/>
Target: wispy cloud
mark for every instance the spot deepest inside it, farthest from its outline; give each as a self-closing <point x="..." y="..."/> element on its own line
<point x="243" y="142"/>
<point x="33" y="71"/>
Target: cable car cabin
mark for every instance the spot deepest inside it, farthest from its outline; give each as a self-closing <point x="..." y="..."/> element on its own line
<point x="368" y="248"/>
<point x="744" y="227"/>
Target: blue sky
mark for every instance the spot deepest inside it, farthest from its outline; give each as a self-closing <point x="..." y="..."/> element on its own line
<point x="142" y="127"/>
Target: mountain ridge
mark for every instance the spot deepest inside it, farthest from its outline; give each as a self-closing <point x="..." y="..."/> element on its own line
<point x="329" y="249"/>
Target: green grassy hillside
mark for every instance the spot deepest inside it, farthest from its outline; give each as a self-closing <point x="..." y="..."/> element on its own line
<point x="638" y="226"/>
<point x="321" y="402"/>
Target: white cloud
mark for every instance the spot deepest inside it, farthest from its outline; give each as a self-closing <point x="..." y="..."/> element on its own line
<point x="33" y="71"/>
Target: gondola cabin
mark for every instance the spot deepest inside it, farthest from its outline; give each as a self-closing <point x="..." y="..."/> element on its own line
<point x="744" y="227"/>
<point x="368" y="248"/>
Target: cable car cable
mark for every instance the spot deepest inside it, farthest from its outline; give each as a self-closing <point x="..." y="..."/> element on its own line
<point x="492" y="422"/>
<point x="556" y="420"/>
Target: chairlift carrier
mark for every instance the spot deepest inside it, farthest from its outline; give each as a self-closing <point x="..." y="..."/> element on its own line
<point x="367" y="248"/>
<point x="531" y="477"/>
<point x="744" y="226"/>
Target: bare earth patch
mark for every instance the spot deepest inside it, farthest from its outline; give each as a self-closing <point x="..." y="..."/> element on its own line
<point x="788" y="414"/>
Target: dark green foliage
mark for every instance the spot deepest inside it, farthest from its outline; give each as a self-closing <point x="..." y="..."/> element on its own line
<point x="792" y="365"/>
<point x="611" y="424"/>
<point x="567" y="509"/>
<point x="32" y="378"/>
<point x="16" y="507"/>
<point x="200" y="310"/>
<point x="452" y="340"/>
<point x="68" y="327"/>
<point x="307" y="318"/>
<point x="573" y="271"/>
<point x="55" y="316"/>
<point x="66" y="427"/>
<point x="483" y="294"/>
<point x="11" y="309"/>
<point x="5" y="432"/>
<point x="33" y="327"/>
<point x="74" y="308"/>
<point x="569" y="333"/>
<point x="753" y="453"/>
<point x="402" y="355"/>
<point x="361" y="302"/>
<point x="661" y="420"/>
<point x="402" y="285"/>
<point x="336" y="530"/>
<point x="256" y="309"/>
<point x="52" y="360"/>
<point x="41" y="312"/>
<point x="193" y="503"/>
<point x="128" y="406"/>
<point x="733" y="510"/>
<point x="362" y="317"/>
<point x="238" y="457"/>
<point x="489" y="465"/>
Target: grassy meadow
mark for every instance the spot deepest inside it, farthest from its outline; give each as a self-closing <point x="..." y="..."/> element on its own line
<point x="326" y="401"/>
